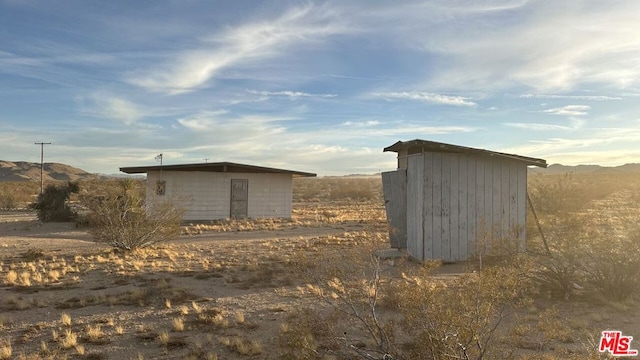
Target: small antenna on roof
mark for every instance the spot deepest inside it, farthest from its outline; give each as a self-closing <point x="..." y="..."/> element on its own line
<point x="159" y="157"/>
<point x="206" y="160"/>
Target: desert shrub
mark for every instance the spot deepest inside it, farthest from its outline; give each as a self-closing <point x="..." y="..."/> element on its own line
<point x="561" y="194"/>
<point x="53" y="205"/>
<point x="559" y="270"/>
<point x="460" y="319"/>
<point x="611" y="264"/>
<point x="8" y="201"/>
<point x="123" y="220"/>
<point x="304" y="334"/>
<point x="17" y="194"/>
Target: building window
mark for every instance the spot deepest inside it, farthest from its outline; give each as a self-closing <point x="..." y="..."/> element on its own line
<point x="161" y="187"/>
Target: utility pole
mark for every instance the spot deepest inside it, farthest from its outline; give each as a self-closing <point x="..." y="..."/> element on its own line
<point x="42" y="144"/>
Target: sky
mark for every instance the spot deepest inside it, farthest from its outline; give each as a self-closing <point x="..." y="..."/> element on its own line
<point x="316" y="86"/>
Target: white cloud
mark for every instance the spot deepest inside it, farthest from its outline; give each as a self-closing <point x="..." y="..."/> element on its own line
<point x="537" y="126"/>
<point x="569" y="110"/>
<point x="427" y="97"/>
<point x="290" y="94"/>
<point x="570" y="97"/>
<point x="546" y="46"/>
<point x="361" y="124"/>
<point x="112" y="107"/>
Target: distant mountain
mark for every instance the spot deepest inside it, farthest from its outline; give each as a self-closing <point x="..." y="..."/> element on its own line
<point x="586" y="169"/>
<point x="28" y="171"/>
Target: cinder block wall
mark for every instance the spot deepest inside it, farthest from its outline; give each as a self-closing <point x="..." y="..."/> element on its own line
<point x="207" y="195"/>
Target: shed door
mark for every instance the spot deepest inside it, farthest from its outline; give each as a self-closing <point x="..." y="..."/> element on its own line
<point x="239" y="198"/>
<point x="394" y="184"/>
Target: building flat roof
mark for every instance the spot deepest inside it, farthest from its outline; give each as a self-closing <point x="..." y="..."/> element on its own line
<point x="214" y="167"/>
<point x="418" y="145"/>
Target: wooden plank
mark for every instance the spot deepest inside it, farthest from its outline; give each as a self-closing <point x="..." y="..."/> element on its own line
<point x="522" y="203"/>
<point x="394" y="185"/>
<point x="505" y="231"/>
<point x="480" y="217"/>
<point x="454" y="208"/>
<point x="415" y="178"/>
<point x="463" y="197"/>
<point x="427" y="250"/>
<point x="446" y="209"/>
<point x="496" y="194"/>
<point x="472" y="179"/>
<point x="437" y="206"/>
<point x="514" y="228"/>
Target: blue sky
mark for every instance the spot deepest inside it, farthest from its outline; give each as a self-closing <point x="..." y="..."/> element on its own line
<point x="317" y="86"/>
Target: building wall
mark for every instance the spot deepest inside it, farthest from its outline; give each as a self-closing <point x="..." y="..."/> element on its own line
<point x="207" y="195"/>
<point x="456" y="202"/>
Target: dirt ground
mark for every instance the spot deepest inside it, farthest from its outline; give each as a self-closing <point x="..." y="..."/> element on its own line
<point x="204" y="296"/>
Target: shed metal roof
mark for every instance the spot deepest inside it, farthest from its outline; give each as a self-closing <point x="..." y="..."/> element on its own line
<point x="214" y="167"/>
<point x="418" y="145"/>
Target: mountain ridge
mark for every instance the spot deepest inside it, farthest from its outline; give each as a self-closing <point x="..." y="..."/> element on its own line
<point x="51" y="171"/>
<point x="30" y="171"/>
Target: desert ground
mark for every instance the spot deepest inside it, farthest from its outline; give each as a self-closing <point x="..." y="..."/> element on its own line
<point x="236" y="289"/>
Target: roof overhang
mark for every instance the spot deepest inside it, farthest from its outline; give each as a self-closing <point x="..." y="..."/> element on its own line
<point x="418" y="146"/>
<point x="214" y="167"/>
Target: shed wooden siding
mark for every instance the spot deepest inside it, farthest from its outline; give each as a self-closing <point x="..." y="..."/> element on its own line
<point x="207" y="195"/>
<point x="454" y="199"/>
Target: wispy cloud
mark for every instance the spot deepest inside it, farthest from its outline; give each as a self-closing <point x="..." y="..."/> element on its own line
<point x="290" y="94"/>
<point x="427" y="97"/>
<point x="111" y="107"/>
<point x="239" y="46"/>
<point x="569" y="110"/>
<point x="570" y="97"/>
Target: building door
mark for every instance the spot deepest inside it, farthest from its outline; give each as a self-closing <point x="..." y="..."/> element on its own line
<point x="394" y="184"/>
<point x="239" y="198"/>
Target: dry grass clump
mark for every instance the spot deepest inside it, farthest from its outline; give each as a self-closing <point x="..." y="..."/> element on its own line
<point x="65" y="319"/>
<point x="170" y="342"/>
<point x="241" y="345"/>
<point x="5" y="349"/>
<point x="177" y="324"/>
<point x="69" y="340"/>
<point x="95" y="335"/>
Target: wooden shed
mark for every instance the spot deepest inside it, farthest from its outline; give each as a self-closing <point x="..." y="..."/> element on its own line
<point x="210" y="191"/>
<point x="444" y="200"/>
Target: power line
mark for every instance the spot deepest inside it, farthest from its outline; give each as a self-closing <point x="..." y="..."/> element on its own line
<point x="42" y="144"/>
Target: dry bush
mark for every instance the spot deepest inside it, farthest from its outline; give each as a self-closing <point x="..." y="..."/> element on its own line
<point x="17" y="194"/>
<point x="460" y="319"/>
<point x="611" y="264"/>
<point x="122" y="220"/>
<point x="589" y="246"/>
<point x="306" y="335"/>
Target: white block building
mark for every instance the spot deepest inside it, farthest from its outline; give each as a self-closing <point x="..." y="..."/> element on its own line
<point x="211" y="191"/>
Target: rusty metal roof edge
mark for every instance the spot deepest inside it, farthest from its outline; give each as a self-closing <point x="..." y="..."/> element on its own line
<point x="434" y="146"/>
<point x="211" y="167"/>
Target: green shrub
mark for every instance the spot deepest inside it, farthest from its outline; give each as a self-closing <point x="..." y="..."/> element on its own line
<point x="53" y="203"/>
